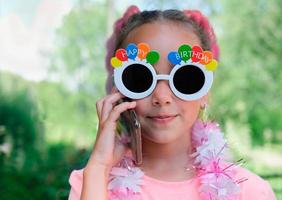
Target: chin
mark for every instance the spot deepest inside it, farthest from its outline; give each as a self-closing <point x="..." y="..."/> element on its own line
<point x="162" y="137"/>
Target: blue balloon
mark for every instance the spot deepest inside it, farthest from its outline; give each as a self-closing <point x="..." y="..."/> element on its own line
<point x="132" y="51"/>
<point x="174" y="58"/>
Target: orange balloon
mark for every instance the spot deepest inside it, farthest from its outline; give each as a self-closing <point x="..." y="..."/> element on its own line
<point x="207" y="58"/>
<point x="143" y="49"/>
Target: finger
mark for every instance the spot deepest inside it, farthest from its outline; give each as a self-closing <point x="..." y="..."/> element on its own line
<point x="108" y="105"/>
<point x="117" y="110"/>
<point x="99" y="105"/>
<point x="110" y="124"/>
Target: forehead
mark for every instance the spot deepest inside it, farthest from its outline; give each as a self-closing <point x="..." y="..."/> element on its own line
<point x="163" y="36"/>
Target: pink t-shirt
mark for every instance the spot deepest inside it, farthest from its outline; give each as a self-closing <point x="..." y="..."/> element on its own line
<point x="255" y="188"/>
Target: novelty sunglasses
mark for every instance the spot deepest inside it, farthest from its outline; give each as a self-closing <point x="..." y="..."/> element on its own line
<point x="190" y="78"/>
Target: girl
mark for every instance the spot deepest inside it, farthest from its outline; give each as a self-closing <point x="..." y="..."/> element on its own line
<point x="182" y="153"/>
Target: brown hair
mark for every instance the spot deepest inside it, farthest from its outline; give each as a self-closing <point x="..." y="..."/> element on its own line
<point x="133" y="18"/>
<point x="145" y="17"/>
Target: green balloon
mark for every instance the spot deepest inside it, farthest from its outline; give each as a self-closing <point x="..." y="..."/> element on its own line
<point x="185" y="52"/>
<point x="152" y="57"/>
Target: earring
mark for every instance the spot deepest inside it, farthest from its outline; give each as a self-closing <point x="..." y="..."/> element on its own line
<point x="203" y="114"/>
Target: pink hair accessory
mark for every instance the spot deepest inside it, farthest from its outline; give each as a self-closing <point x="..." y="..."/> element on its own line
<point x="110" y="44"/>
<point x="203" y="22"/>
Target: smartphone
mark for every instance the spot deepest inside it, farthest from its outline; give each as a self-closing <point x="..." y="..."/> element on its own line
<point x="130" y="125"/>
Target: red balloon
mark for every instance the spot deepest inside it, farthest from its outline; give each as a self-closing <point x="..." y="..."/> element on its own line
<point x="197" y="53"/>
<point x="121" y="55"/>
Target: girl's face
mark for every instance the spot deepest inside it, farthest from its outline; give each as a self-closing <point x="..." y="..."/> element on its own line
<point x="164" y="117"/>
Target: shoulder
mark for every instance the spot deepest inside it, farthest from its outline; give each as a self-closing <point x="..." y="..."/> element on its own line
<point x="254" y="187"/>
<point x="76" y="180"/>
<point x="76" y="177"/>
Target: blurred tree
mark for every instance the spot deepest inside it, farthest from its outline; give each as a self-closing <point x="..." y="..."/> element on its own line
<point x="22" y="131"/>
<point x="78" y="61"/>
<point x="19" y="119"/>
<point x="26" y="159"/>
<point x="248" y="86"/>
<point x="68" y="116"/>
<point x="81" y="48"/>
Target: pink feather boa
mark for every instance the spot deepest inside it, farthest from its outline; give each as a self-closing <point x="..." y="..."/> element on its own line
<point x="214" y="173"/>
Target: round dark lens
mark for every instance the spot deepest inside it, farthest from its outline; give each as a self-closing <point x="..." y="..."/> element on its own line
<point x="189" y="79"/>
<point x="137" y="78"/>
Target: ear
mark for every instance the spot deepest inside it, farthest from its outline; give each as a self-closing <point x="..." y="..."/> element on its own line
<point x="204" y="99"/>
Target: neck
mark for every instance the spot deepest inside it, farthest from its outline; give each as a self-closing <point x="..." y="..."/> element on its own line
<point x="178" y="148"/>
<point x="160" y="160"/>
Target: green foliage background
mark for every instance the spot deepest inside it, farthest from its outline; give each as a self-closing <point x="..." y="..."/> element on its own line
<point x="49" y="128"/>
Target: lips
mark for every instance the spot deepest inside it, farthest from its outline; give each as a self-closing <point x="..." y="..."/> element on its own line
<point x="164" y="118"/>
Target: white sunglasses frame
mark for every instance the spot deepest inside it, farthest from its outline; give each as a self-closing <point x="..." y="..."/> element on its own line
<point x="120" y="86"/>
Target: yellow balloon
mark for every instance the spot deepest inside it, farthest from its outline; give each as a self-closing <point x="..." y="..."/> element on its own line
<point x="115" y="62"/>
<point x="212" y="66"/>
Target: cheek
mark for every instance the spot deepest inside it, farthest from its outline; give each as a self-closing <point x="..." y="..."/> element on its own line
<point x="190" y="109"/>
<point x="140" y="106"/>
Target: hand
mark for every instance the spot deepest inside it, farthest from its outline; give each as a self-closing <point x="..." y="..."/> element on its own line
<point x="108" y="150"/>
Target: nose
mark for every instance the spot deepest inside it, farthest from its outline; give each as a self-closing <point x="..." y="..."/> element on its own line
<point x="162" y="94"/>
